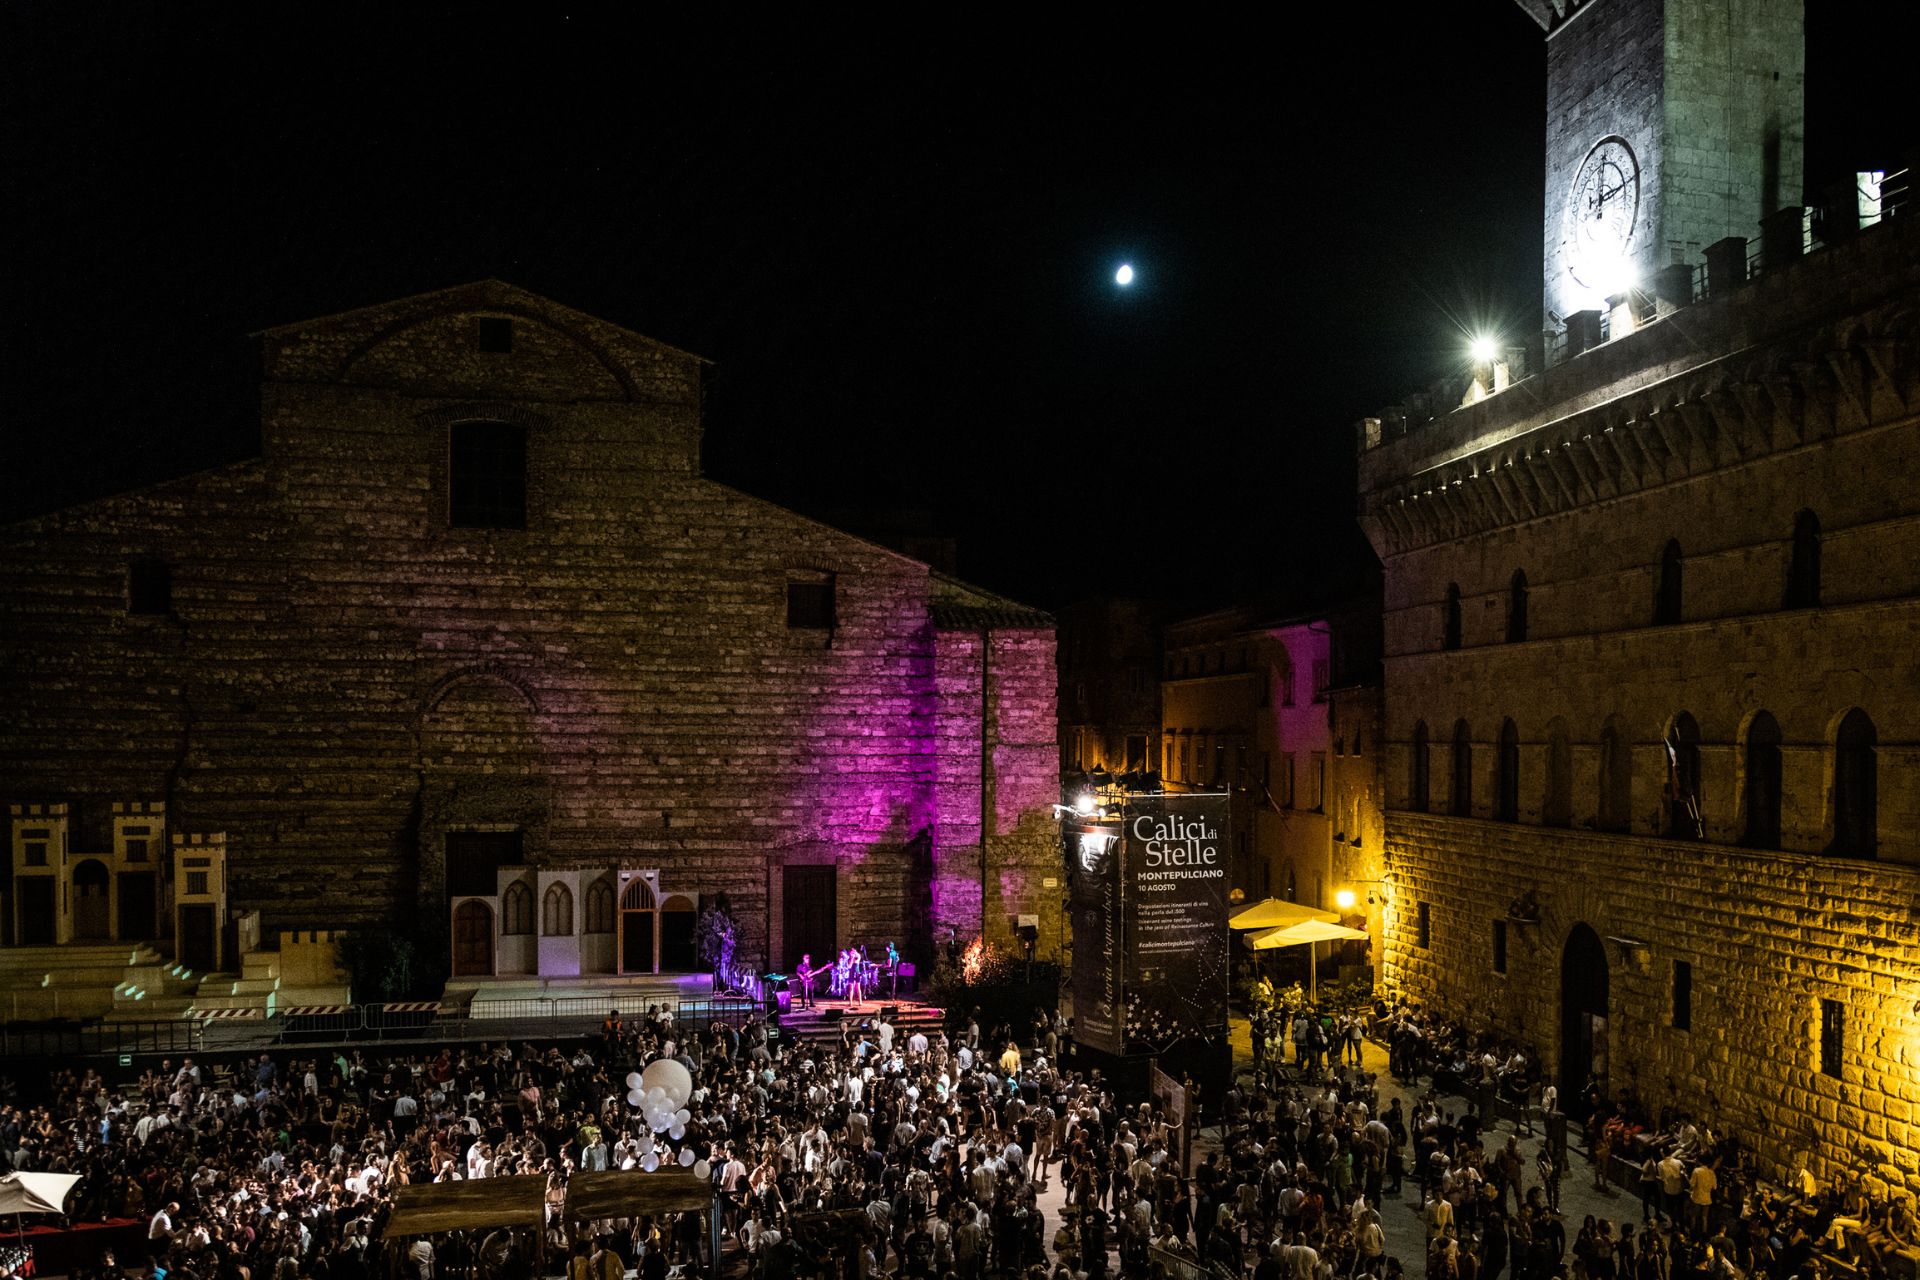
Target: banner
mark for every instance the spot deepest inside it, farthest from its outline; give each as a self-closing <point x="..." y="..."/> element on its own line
<point x="1174" y="857"/>
<point x="1094" y="904"/>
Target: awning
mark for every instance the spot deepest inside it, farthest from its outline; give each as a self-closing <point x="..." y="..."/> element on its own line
<point x="36" y="1192"/>
<point x="429" y="1208"/>
<point x="1276" y="914"/>
<point x="634" y="1193"/>
<point x="1301" y="934"/>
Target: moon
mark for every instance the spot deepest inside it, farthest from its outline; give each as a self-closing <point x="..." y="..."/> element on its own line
<point x="1124" y="276"/>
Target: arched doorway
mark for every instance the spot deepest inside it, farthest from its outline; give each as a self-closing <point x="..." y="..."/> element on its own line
<point x="639" y="910"/>
<point x="92" y="919"/>
<point x="472" y="940"/>
<point x="679" y="953"/>
<point x="1583" y="1017"/>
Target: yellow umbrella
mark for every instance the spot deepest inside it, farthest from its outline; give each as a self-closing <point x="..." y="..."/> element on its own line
<point x="1275" y="914"/>
<point x="1308" y="933"/>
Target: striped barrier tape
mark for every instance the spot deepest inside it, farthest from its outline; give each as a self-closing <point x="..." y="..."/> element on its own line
<point x="217" y="1015"/>
<point x="315" y="1010"/>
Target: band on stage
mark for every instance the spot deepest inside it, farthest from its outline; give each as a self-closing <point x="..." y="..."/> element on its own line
<point x="853" y="976"/>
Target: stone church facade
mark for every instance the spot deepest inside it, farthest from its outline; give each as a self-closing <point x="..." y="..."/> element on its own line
<point x="1653" y="628"/>
<point x="472" y="648"/>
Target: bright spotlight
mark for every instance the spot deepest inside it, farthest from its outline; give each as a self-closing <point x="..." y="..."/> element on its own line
<point x="1484" y="349"/>
<point x="1124" y="276"/>
<point x="1344" y="899"/>
<point x="1083" y="803"/>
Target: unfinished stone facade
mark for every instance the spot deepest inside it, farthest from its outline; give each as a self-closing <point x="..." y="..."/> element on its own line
<point x="1652" y="682"/>
<point x="636" y="677"/>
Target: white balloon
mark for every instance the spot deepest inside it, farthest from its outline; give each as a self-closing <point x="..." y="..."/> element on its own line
<point x="677" y="1132"/>
<point x="645" y="1144"/>
<point x="633" y="1079"/>
<point x="675" y="1080"/>
<point x="650" y="1162"/>
<point x="683" y="1115"/>
<point x="635" y="1098"/>
<point x="656" y="1094"/>
<point x="659" y="1123"/>
<point x="701" y="1169"/>
<point x="687" y="1157"/>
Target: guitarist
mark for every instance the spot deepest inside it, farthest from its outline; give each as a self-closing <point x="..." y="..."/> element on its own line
<point x="806" y="976"/>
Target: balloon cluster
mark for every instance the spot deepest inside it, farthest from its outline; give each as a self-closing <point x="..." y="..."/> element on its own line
<point x="660" y="1093"/>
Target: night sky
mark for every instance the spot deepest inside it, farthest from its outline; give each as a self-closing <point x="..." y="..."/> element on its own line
<point x="895" y="239"/>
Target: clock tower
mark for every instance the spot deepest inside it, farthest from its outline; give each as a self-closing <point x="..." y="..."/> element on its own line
<point x="1671" y="124"/>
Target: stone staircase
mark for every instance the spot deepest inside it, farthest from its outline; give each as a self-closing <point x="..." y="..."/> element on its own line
<point x="86" y="979"/>
<point x="822" y="1024"/>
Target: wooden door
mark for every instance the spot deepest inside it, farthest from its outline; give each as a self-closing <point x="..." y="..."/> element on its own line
<point x="472" y="940"/>
<point x="36" y="910"/>
<point x="198" y="951"/>
<point x="809" y="915"/>
<point x="92" y="912"/>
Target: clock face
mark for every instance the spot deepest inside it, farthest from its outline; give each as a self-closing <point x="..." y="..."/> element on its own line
<point x="1603" y="209"/>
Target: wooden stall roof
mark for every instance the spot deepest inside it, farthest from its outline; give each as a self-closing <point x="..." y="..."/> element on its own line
<point x="634" y="1193"/>
<point x="429" y="1208"/>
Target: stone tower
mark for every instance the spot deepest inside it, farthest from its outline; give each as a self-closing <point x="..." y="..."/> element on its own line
<point x="1671" y="125"/>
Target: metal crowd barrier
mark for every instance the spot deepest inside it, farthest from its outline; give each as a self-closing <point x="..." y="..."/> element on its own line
<point x="79" y="1039"/>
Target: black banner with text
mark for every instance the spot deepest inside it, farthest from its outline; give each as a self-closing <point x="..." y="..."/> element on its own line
<point x="1094" y="903"/>
<point x="1174" y="860"/>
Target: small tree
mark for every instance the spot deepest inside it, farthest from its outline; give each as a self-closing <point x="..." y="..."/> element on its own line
<point x="718" y="936"/>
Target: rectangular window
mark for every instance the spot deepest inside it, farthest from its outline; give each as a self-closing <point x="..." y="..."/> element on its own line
<point x="196" y="882"/>
<point x="1286" y="780"/>
<point x="1319" y="679"/>
<point x="810" y="605"/>
<point x="1317" y="781"/>
<point x="487" y="475"/>
<point x="150" y="588"/>
<point x="493" y="333"/>
<point x="1833" y="1034"/>
<point x="136" y="850"/>
<point x="35" y="852"/>
<point x="1499" y="945"/>
<point x="1219" y="765"/>
<point x="1682" y="995"/>
<point x="1136" y="751"/>
<point x="1423" y="926"/>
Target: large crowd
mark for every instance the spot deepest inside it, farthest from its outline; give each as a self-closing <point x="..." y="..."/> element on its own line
<point x="923" y="1156"/>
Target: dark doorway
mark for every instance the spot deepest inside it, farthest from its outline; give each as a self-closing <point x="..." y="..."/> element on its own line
<point x="678" y="952"/>
<point x="472" y="940"/>
<point x="810" y="915"/>
<point x="1583" y="1018"/>
<point x="36" y="910"/>
<point x="91" y="909"/>
<point x="636" y="941"/>
<point x="136" y="906"/>
<point x="197" y="949"/>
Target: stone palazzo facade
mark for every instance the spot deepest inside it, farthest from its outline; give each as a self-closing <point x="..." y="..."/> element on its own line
<point x="1652" y="634"/>
<point x="472" y="649"/>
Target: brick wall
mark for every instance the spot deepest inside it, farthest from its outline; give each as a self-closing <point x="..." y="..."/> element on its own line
<point x="344" y="678"/>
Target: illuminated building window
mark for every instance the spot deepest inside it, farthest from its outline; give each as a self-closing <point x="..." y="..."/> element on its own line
<point x="1833" y="1035"/>
<point x="487" y="475"/>
<point x="150" y="587"/>
<point x="493" y="333"/>
<point x="1682" y="995"/>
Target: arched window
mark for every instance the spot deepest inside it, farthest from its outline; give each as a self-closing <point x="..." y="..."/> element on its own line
<point x="1556" y="803"/>
<point x="516" y="909"/>
<point x="1616" y="777"/>
<point x="1856" y="785"/>
<point x="1803" y="566"/>
<point x="1685" y="805"/>
<point x="638" y="897"/>
<point x="1506" y="804"/>
<point x="599" y="907"/>
<point x="556" y="912"/>
<point x="1760" y="790"/>
<point x="1417" y="799"/>
<point x="1450" y="626"/>
<point x="1517" y="607"/>
<point x="1666" y="591"/>
<point x="1462" y="770"/>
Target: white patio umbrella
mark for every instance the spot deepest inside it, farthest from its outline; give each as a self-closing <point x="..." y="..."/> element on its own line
<point x="35" y="1193"/>
<point x="1308" y="933"/>
<point x="1274" y="913"/>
